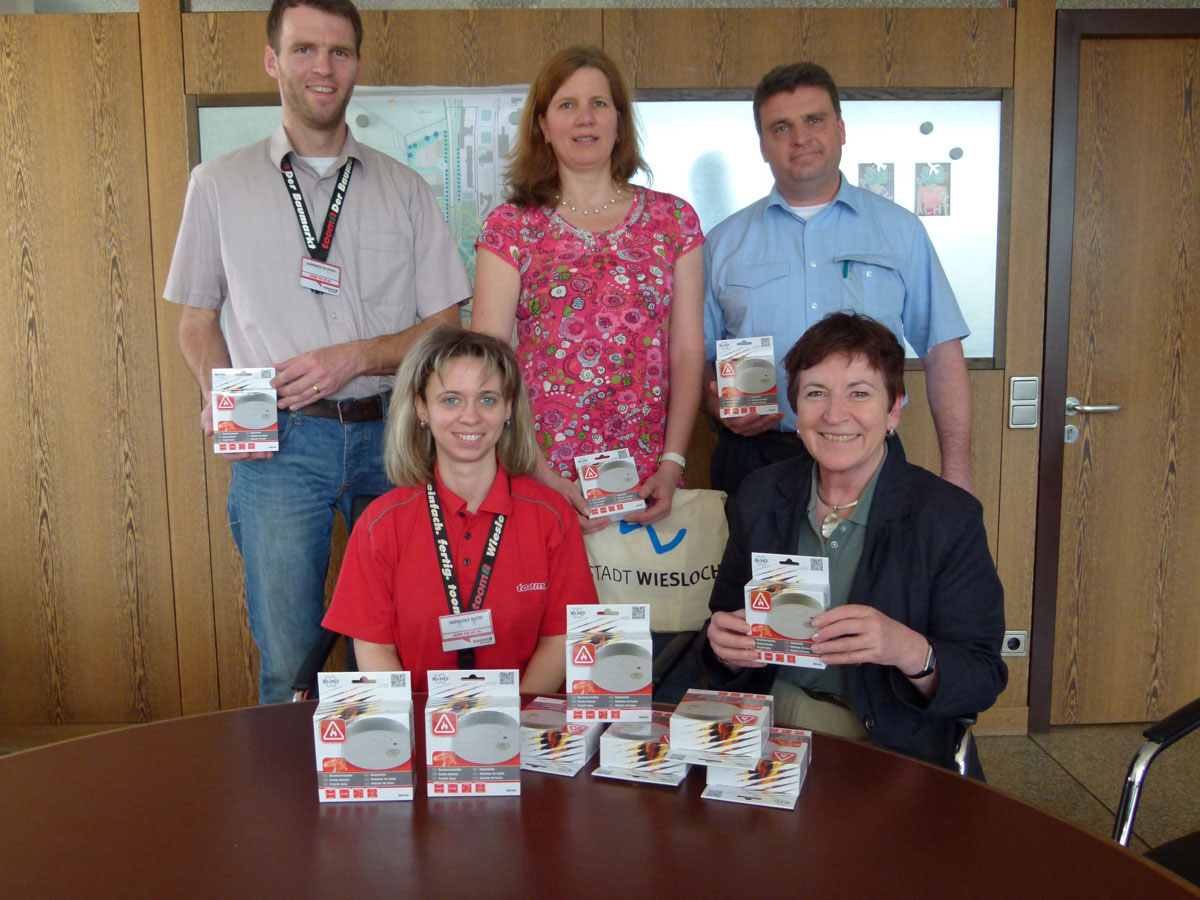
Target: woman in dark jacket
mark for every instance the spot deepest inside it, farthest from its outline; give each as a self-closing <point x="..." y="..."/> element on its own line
<point x="912" y="636"/>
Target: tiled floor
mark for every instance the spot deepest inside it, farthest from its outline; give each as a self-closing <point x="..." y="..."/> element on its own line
<point x="1075" y="772"/>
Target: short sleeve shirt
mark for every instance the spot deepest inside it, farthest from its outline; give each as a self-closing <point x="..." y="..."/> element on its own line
<point x="593" y="321"/>
<point x="240" y="246"/>
<point x="390" y="589"/>
<point x="770" y="272"/>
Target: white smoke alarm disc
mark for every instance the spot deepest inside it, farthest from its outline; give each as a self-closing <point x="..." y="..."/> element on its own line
<point x="754" y="376"/>
<point x="617" y="476"/>
<point x="707" y="710"/>
<point x="637" y="731"/>
<point x="622" y="667"/>
<point x="487" y="738"/>
<point x="375" y="742"/>
<point x="791" y="614"/>
<point x="254" y="412"/>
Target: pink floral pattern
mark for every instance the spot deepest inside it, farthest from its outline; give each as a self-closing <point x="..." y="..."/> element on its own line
<point x="592" y="323"/>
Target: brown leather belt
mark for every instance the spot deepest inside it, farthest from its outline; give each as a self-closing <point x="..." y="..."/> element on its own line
<point x="364" y="409"/>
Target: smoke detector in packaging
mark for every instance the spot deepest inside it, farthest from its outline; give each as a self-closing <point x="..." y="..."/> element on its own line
<point x="609" y="663"/>
<point x="746" y="379"/>
<point x="609" y="482"/>
<point x="244" y="415"/>
<point x="782" y="596"/>
<point x="774" y="780"/>
<point x="549" y="743"/>
<point x="720" y="727"/>
<point x="363" y="732"/>
<point x="472" y="733"/>
<point x="637" y="751"/>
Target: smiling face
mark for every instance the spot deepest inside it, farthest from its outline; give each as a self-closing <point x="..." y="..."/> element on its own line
<point x="316" y="67"/>
<point x="843" y="415"/>
<point x="801" y="141"/>
<point x="581" y="121"/>
<point x="465" y="412"/>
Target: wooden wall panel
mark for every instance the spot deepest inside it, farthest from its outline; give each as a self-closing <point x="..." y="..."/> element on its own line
<point x="187" y="503"/>
<point x="223" y="51"/>
<point x="1028" y="236"/>
<point x="88" y="632"/>
<point x="862" y="48"/>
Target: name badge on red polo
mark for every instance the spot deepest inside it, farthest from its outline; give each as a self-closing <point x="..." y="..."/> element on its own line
<point x="467" y="630"/>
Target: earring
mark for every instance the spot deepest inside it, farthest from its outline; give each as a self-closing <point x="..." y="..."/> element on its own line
<point x="891" y="431"/>
<point x="507" y="422"/>
<point x="424" y="424"/>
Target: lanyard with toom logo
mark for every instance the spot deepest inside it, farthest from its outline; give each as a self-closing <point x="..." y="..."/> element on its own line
<point x="464" y="630"/>
<point x="315" y="273"/>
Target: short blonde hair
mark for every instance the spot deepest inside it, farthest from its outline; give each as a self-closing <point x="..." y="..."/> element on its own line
<point x="409" y="451"/>
<point x="532" y="167"/>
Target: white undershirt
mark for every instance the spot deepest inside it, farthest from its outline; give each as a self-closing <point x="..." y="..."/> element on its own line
<point x="320" y="164"/>
<point x="807" y="212"/>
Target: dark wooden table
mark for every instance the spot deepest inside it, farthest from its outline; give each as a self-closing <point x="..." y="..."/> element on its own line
<point x="225" y="806"/>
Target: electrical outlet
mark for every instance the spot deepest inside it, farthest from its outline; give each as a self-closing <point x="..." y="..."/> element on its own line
<point x="1016" y="643"/>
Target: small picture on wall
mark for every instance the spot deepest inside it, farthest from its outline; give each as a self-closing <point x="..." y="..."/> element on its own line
<point x="932" y="182"/>
<point x="878" y="178"/>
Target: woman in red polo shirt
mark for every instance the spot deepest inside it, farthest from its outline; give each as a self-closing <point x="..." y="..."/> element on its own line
<point x="469" y="563"/>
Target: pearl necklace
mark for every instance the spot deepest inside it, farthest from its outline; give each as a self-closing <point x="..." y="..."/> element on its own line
<point x="563" y="201"/>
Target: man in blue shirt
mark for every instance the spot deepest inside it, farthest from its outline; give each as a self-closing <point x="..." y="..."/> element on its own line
<point x="814" y="245"/>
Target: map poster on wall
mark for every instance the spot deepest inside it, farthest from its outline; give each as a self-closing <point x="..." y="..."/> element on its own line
<point x="932" y="182"/>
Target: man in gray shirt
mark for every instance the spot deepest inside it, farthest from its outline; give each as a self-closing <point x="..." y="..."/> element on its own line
<point x="329" y="260"/>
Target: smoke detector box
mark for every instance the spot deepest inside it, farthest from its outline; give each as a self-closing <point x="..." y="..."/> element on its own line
<point x="363" y="734"/>
<point x="720" y="727"/>
<point x="244" y="415"/>
<point x="610" y="483"/>
<point x="610" y="663"/>
<point x="782" y="596"/>
<point x="551" y="744"/>
<point x="746" y="377"/>
<point x="637" y="751"/>
<point x="773" y="780"/>
<point x="473" y="733"/>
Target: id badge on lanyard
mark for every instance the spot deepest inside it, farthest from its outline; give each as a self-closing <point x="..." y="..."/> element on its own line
<point x="316" y="273"/>
<point x="464" y="630"/>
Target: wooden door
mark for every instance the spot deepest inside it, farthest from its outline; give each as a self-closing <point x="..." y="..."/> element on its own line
<point x="1128" y="600"/>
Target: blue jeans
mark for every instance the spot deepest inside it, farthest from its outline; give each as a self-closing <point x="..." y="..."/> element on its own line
<point x="281" y="515"/>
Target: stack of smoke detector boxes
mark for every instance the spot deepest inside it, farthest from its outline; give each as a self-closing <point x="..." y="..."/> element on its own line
<point x="473" y="733"/>
<point x="782" y="596"/>
<point x="245" y="418"/>
<point x="549" y="743"/>
<point x="637" y="751"/>
<point x="721" y="728"/>
<point x="610" y="663"/>
<point x="610" y="483"/>
<point x="773" y="780"/>
<point x="746" y="377"/>
<point x="363" y="732"/>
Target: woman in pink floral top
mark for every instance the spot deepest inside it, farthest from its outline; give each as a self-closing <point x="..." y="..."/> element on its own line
<point x="601" y="281"/>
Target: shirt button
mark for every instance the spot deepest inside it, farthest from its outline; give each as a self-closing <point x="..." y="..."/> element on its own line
<point x="466" y="562"/>
<point x="467" y="536"/>
<point x="833" y="544"/>
<point x="813" y="264"/>
<point x="814" y="306"/>
<point x="869" y="723"/>
<point x="868" y="273"/>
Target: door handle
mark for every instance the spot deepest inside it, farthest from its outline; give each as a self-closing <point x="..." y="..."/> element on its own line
<point x="1074" y="406"/>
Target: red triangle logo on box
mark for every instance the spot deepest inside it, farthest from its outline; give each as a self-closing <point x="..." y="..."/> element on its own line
<point x="584" y="655"/>
<point x="743" y="719"/>
<point x="782" y="756"/>
<point x="333" y="731"/>
<point x="590" y="473"/>
<point x="224" y="402"/>
<point x="760" y="601"/>
<point x="445" y="723"/>
<point x="727" y="370"/>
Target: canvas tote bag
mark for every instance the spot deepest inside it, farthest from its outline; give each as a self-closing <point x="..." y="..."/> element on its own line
<point x="671" y="564"/>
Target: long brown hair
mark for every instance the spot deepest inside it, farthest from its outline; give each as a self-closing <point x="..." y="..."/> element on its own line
<point x="532" y="167"/>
